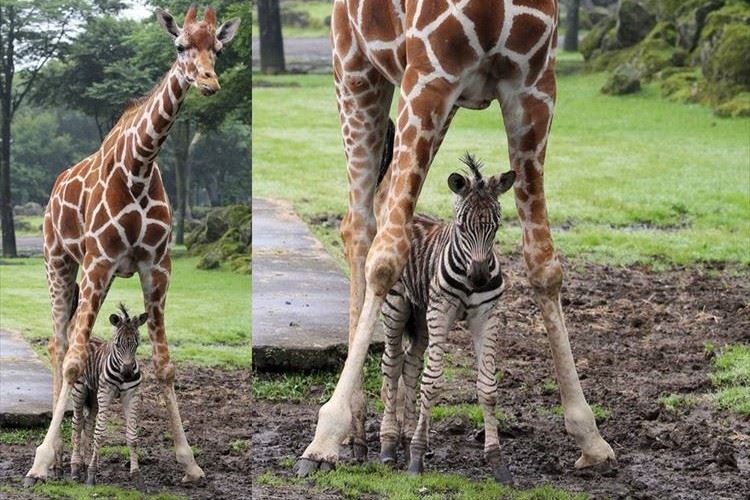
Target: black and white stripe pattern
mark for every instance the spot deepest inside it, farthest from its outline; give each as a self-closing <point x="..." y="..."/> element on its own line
<point x="452" y="274"/>
<point x="111" y="372"/>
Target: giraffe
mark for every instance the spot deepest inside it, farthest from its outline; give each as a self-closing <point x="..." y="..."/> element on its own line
<point x="443" y="55"/>
<point x="109" y="216"/>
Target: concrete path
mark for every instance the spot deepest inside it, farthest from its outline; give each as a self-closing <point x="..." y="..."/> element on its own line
<point x="300" y="296"/>
<point x="25" y="384"/>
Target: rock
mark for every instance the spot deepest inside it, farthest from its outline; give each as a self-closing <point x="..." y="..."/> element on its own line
<point x="593" y="40"/>
<point x="224" y="236"/>
<point x="31" y="209"/>
<point x="624" y="80"/>
<point x="634" y="22"/>
<point x="210" y="260"/>
<point x="727" y="65"/>
<point x="598" y="14"/>
<point x="682" y="86"/>
<point x="738" y="106"/>
<point x="690" y="19"/>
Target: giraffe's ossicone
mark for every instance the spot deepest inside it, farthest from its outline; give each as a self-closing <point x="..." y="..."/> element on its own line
<point x="109" y="216"/>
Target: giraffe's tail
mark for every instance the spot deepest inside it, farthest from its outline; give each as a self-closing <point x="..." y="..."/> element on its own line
<point x="74" y="302"/>
<point x="385" y="162"/>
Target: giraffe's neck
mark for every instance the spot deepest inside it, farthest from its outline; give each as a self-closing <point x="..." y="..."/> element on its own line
<point x="146" y="126"/>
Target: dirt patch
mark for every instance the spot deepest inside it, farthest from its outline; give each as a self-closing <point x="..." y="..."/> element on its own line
<point x="636" y="335"/>
<point x="214" y="407"/>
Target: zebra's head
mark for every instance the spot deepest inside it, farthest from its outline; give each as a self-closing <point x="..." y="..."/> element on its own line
<point x="476" y="216"/>
<point x="125" y="340"/>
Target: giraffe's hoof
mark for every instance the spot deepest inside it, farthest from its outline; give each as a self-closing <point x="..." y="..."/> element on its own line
<point x="388" y="453"/>
<point x="598" y="453"/>
<point x="502" y="475"/>
<point x="193" y="474"/>
<point x="30" y="481"/>
<point x="416" y="467"/>
<point x="359" y="452"/>
<point x="305" y="466"/>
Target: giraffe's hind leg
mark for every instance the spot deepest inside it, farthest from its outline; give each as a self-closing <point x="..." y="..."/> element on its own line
<point x="528" y="115"/>
<point x="396" y="312"/>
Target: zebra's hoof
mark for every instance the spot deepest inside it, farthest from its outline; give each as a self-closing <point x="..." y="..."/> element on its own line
<point x="388" y="453"/>
<point x="90" y="479"/>
<point x="76" y="474"/>
<point x="56" y="473"/>
<point x="30" y="481"/>
<point x="416" y="467"/>
<point x="359" y="452"/>
<point x="502" y="475"/>
<point x="138" y="481"/>
<point x="305" y="466"/>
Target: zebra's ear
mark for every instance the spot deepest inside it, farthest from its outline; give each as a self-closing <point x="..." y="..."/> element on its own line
<point x="114" y="320"/>
<point x="458" y="183"/>
<point x="142" y="319"/>
<point x="503" y="182"/>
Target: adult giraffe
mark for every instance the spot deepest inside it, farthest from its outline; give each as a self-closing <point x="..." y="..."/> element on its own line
<point x="109" y="215"/>
<point x="443" y="54"/>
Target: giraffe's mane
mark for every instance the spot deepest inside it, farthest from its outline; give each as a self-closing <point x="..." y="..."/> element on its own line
<point x="136" y="102"/>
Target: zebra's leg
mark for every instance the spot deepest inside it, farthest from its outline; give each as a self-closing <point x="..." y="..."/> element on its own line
<point x="87" y="438"/>
<point x="97" y="275"/>
<point x="395" y="311"/>
<point x="413" y="362"/>
<point x="440" y="319"/>
<point x="79" y="423"/>
<point x="484" y="331"/>
<point x="155" y="282"/>
<point x="61" y="270"/>
<point x="527" y="117"/>
<point x="425" y="104"/>
<point x="104" y="398"/>
<point x="131" y="401"/>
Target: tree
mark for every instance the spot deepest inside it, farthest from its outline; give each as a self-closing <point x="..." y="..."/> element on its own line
<point x="570" y="42"/>
<point x="32" y="32"/>
<point x="271" y="41"/>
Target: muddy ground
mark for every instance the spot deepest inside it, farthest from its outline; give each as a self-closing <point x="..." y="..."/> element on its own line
<point x="636" y="334"/>
<point x="214" y="406"/>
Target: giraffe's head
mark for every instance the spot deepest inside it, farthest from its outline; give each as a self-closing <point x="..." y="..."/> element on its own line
<point x="125" y="340"/>
<point x="476" y="216"/>
<point x="197" y="44"/>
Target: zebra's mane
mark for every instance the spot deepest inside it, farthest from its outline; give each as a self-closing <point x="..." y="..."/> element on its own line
<point x="124" y="311"/>
<point x="475" y="166"/>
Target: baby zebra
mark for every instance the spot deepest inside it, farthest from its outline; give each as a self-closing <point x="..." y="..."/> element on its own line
<point x="111" y="371"/>
<point x="452" y="274"/>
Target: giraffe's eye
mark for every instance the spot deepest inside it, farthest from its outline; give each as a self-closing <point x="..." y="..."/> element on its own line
<point x="180" y="49"/>
<point x="218" y="52"/>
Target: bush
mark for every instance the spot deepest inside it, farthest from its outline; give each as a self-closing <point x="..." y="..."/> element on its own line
<point x="735" y="107"/>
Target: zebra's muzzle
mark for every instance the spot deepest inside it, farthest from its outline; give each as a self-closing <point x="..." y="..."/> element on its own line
<point x="479" y="273"/>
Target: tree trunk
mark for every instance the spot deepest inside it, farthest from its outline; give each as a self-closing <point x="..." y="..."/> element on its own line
<point x="570" y="43"/>
<point x="6" y="116"/>
<point x="271" y="41"/>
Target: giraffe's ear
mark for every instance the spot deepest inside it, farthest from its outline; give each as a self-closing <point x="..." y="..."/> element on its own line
<point x="114" y="320"/>
<point x="226" y="31"/>
<point x="167" y="22"/>
<point x="458" y="183"/>
<point x="142" y="319"/>
<point x="503" y="182"/>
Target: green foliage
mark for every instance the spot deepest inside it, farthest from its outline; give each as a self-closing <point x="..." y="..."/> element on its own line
<point x="196" y="298"/>
<point x="682" y="86"/>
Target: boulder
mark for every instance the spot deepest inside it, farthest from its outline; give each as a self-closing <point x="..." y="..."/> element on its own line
<point x="735" y="107"/>
<point x="224" y="236"/>
<point x="634" y="21"/>
<point x="684" y="85"/>
<point x="593" y="39"/>
<point x="624" y="80"/>
<point x="690" y="19"/>
<point x="31" y="209"/>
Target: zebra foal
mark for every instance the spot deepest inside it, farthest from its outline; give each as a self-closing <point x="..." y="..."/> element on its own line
<point x="111" y="372"/>
<point x="452" y="274"/>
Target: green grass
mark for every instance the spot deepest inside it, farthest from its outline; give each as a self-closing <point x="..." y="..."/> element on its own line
<point x="72" y="490"/>
<point x="13" y="436"/>
<point x="472" y="412"/>
<point x="731" y="376"/>
<point x="317" y="11"/>
<point x="27" y="225"/>
<point x="357" y="481"/>
<point x="628" y="179"/>
<point x="207" y="315"/>
<point x="677" y="402"/>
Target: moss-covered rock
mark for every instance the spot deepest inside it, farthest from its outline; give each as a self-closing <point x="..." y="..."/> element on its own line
<point x="224" y="236"/>
<point x="634" y="21"/>
<point x="624" y="80"/>
<point x="735" y="107"/>
<point x="683" y="86"/>
<point x="593" y="40"/>
<point x="690" y="19"/>
<point x="728" y="65"/>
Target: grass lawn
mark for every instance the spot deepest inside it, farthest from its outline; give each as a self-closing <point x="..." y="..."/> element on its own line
<point x="628" y="179"/>
<point x="208" y="312"/>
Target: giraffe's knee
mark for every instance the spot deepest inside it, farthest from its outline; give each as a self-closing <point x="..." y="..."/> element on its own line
<point x="357" y="232"/>
<point x="546" y="275"/>
<point x="164" y="372"/>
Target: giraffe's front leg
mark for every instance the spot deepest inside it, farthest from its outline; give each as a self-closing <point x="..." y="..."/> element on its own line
<point x="440" y="319"/>
<point x="484" y="330"/>
<point x="527" y="121"/>
<point x="93" y="291"/>
<point x="155" y="282"/>
<point x="131" y="401"/>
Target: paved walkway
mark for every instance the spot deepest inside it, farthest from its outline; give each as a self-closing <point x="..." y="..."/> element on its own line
<point x="300" y="296"/>
<point x="25" y="384"/>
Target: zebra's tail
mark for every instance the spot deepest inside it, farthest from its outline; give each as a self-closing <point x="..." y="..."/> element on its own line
<point x="74" y="304"/>
<point x="385" y="162"/>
